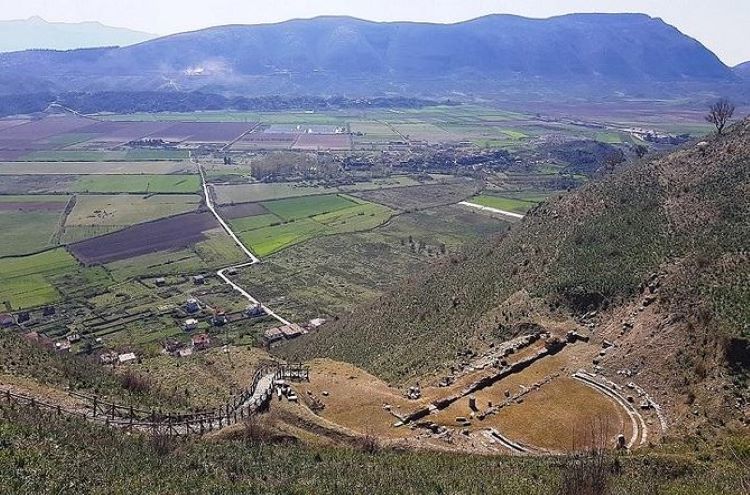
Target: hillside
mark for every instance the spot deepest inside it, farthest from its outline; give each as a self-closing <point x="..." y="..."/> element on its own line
<point x="340" y="55"/>
<point x="653" y="258"/>
<point x="36" y="33"/>
<point x="742" y="70"/>
<point x="247" y="462"/>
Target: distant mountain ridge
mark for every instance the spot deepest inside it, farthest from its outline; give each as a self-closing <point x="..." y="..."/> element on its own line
<point x="37" y="33"/>
<point x="343" y="55"/>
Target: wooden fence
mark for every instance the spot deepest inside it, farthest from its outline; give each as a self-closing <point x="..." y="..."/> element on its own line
<point x="130" y="418"/>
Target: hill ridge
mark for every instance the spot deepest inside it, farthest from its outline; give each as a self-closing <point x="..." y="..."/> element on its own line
<point x="342" y="55"/>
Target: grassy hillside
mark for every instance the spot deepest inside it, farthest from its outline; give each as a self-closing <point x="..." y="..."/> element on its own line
<point x="682" y="220"/>
<point x="32" y="363"/>
<point x="43" y="454"/>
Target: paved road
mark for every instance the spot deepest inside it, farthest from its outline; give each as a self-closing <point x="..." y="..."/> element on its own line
<point x="253" y="259"/>
<point x="492" y="210"/>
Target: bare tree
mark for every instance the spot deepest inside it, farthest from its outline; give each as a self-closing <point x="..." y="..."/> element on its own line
<point x="720" y="114"/>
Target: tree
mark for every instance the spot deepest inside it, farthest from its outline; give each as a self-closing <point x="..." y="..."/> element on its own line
<point x="640" y="150"/>
<point x="720" y="114"/>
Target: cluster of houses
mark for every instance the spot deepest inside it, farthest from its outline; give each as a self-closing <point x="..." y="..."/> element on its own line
<point x="113" y="358"/>
<point x="8" y="320"/>
<point x="198" y="342"/>
<point x="652" y="136"/>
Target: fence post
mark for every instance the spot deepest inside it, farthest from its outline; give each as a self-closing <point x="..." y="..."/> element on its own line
<point x="94" y="407"/>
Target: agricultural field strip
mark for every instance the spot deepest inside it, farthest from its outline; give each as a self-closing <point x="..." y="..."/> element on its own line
<point x="491" y="210"/>
<point x="253" y="259"/>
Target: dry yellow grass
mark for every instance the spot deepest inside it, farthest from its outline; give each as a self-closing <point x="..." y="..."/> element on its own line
<point x="128" y="209"/>
<point x="563" y="415"/>
<point x="356" y="398"/>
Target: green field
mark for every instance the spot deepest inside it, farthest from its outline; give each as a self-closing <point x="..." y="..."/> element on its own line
<point x="355" y="219"/>
<point x="25" y="281"/>
<point x="160" y="184"/>
<point x="27" y="232"/>
<point x="305" y="207"/>
<point x="246" y="224"/>
<point x="250" y="193"/>
<point x="331" y="274"/>
<point x="34" y="198"/>
<point x="268" y="240"/>
<point x="295" y="220"/>
<point x="75" y="233"/>
<point x="501" y="203"/>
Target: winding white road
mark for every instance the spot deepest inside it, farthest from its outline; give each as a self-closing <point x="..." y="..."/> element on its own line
<point x="253" y="259"/>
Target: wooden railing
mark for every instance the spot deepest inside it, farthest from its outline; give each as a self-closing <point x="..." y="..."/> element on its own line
<point x="130" y="418"/>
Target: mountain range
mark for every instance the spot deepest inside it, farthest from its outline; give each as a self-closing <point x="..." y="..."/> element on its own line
<point x="614" y="53"/>
<point x="35" y="33"/>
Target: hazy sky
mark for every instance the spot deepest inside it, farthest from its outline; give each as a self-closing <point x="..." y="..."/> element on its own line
<point x="719" y="24"/>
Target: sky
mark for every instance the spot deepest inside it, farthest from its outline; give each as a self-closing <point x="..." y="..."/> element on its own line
<point x="718" y="24"/>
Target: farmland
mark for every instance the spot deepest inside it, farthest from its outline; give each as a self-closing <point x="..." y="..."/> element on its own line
<point x="503" y="203"/>
<point x="160" y="235"/>
<point x="95" y="168"/>
<point x="295" y="208"/>
<point x="212" y="250"/>
<point x="294" y="220"/>
<point x="240" y="193"/>
<point x="27" y="281"/>
<point x="329" y="274"/>
<point x="103" y="156"/>
<point x="419" y="197"/>
<point x="118" y="211"/>
<point x="29" y="224"/>
<point x="155" y="184"/>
